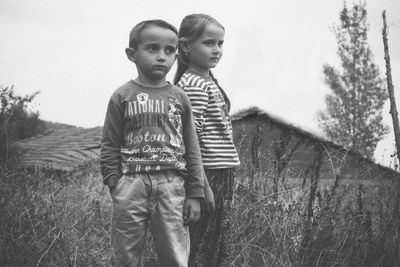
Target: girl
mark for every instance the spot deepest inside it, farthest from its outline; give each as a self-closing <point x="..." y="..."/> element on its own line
<point x="200" y="48"/>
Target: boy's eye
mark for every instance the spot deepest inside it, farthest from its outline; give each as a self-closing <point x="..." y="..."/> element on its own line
<point x="152" y="48"/>
<point x="220" y="43"/>
<point x="170" y="50"/>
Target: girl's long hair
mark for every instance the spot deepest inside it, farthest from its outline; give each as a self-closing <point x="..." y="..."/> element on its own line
<point x="191" y="28"/>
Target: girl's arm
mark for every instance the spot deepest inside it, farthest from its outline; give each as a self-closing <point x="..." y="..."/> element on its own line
<point x="208" y="198"/>
<point x="199" y="102"/>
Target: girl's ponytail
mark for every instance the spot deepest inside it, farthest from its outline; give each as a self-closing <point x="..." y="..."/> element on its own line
<point x="182" y="67"/>
<point x="226" y="98"/>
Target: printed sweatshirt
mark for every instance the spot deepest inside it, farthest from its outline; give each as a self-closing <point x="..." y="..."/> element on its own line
<point x="212" y="121"/>
<point x="151" y="130"/>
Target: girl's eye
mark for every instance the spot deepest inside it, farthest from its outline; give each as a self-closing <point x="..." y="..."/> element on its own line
<point x="209" y="42"/>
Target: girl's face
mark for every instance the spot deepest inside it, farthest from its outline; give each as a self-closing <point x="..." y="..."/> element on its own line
<point x="205" y="52"/>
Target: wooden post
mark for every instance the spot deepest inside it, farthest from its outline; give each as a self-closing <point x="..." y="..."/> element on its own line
<point x="393" y="109"/>
<point x="396" y="129"/>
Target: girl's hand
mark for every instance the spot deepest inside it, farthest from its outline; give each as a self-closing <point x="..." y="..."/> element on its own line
<point x="209" y="204"/>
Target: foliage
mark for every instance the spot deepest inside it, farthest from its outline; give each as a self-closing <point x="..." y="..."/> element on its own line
<point x="354" y="107"/>
<point x="16" y="122"/>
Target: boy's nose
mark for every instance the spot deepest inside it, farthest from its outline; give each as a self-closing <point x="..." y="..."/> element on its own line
<point x="161" y="56"/>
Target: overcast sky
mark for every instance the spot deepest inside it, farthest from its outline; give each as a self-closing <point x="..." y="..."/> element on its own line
<point x="73" y="52"/>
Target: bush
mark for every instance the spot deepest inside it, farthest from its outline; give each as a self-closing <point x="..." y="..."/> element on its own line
<point x="16" y="122"/>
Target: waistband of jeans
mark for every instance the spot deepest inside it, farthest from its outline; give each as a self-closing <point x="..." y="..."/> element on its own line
<point x="159" y="174"/>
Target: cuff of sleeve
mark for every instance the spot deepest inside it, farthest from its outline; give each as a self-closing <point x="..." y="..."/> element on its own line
<point x="195" y="192"/>
<point x="111" y="180"/>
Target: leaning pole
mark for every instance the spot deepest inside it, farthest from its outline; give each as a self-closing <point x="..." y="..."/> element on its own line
<point x="393" y="109"/>
<point x="395" y="118"/>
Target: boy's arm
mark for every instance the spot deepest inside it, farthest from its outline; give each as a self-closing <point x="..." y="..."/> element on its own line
<point x="195" y="182"/>
<point x="199" y="98"/>
<point x="110" y="155"/>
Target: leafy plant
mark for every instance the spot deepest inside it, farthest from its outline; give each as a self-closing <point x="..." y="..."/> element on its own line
<point x="353" y="117"/>
<point x="16" y="122"/>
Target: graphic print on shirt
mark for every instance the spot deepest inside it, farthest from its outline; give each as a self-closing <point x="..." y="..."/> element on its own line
<point x="176" y="120"/>
<point x="124" y="167"/>
<point x="153" y="134"/>
<point x="142" y="98"/>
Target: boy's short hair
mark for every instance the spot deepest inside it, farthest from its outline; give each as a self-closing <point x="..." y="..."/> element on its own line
<point x="134" y="35"/>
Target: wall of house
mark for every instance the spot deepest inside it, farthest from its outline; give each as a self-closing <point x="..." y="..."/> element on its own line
<point x="280" y="153"/>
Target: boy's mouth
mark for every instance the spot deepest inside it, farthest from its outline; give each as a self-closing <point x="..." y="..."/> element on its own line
<point x="159" y="67"/>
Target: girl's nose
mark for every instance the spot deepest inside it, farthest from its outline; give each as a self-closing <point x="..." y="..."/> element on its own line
<point x="216" y="49"/>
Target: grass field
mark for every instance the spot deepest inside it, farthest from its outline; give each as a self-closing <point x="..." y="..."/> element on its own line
<point x="58" y="219"/>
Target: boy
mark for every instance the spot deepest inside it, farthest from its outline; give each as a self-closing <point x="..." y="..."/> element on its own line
<point x="149" y="147"/>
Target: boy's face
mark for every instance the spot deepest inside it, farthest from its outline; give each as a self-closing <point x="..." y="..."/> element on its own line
<point x="155" y="54"/>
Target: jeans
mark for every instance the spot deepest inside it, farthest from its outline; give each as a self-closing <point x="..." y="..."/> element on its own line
<point x="143" y="197"/>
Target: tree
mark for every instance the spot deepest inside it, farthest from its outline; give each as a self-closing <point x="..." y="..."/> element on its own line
<point x="353" y="117"/>
<point x="16" y="122"/>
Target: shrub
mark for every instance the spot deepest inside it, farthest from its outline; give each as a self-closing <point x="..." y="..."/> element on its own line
<point x="16" y="122"/>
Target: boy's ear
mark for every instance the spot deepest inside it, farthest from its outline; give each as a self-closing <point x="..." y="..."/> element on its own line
<point x="130" y="53"/>
<point x="184" y="44"/>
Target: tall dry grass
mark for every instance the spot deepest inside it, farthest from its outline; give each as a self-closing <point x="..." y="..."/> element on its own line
<point x="53" y="219"/>
<point x="272" y="232"/>
<point x="57" y="219"/>
<point x="318" y="218"/>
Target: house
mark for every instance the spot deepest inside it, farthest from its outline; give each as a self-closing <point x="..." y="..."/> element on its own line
<point x="270" y="142"/>
<point x="63" y="147"/>
<point x="276" y="156"/>
<point x="266" y="144"/>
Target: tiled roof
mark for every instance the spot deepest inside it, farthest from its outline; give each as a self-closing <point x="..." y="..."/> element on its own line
<point x="62" y="147"/>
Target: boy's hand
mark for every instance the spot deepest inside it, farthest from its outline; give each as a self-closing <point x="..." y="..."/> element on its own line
<point x="209" y="204"/>
<point x="191" y="210"/>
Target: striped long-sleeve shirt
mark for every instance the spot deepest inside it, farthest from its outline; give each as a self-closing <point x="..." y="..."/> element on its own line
<point x="213" y="125"/>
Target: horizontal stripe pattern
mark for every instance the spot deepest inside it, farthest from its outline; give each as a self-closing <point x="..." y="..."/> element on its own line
<point x="212" y="122"/>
